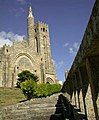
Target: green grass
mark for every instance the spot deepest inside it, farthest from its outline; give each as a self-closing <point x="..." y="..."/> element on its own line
<point x="9" y="96"/>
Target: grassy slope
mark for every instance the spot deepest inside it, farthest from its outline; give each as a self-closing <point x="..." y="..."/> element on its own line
<point x="9" y="96"/>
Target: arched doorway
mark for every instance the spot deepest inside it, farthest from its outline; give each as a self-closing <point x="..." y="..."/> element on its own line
<point x="49" y="80"/>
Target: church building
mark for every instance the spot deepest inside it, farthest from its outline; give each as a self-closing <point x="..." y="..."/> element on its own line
<point x="33" y="55"/>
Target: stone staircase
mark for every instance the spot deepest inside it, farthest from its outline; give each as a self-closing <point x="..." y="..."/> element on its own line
<point x="49" y="108"/>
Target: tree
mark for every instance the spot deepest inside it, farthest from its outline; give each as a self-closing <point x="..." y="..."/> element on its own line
<point x="26" y="75"/>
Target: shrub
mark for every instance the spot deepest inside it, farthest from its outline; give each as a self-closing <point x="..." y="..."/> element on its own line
<point x="26" y="75"/>
<point x="41" y="90"/>
<point x="29" y="88"/>
<point x="44" y="90"/>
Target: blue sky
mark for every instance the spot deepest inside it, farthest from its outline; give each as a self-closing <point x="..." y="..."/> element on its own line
<point x="67" y="20"/>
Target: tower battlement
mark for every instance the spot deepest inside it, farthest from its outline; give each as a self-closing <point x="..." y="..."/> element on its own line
<point x="42" y="23"/>
<point x="41" y="27"/>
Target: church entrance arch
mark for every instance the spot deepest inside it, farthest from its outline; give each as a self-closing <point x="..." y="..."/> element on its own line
<point x="22" y="63"/>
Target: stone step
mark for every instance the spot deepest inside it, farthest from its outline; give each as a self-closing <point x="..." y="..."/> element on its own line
<point x="36" y="109"/>
<point x="34" y="117"/>
<point x="29" y="114"/>
<point x="43" y="109"/>
<point x="37" y="106"/>
<point x="30" y="105"/>
<point x="30" y="118"/>
<point x="32" y="112"/>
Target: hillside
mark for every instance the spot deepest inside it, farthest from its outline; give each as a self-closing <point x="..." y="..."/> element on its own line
<point x="9" y="96"/>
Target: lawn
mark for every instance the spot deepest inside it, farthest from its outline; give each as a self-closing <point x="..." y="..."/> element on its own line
<point x="9" y="96"/>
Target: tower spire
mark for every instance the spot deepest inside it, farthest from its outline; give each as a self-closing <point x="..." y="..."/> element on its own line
<point x="30" y="31"/>
<point x="30" y="11"/>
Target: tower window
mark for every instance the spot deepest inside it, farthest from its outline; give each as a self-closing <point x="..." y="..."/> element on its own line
<point x="43" y="29"/>
<point x="46" y="30"/>
<point x="37" y="45"/>
<point x="7" y="50"/>
<point x="35" y="30"/>
<point x="17" y="67"/>
<point x="41" y="59"/>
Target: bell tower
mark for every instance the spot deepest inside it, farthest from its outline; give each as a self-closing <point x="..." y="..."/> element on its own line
<point x="30" y="23"/>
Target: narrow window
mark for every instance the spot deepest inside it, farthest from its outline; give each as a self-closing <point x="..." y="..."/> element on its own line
<point x="43" y="29"/>
<point x="37" y="45"/>
<point x="17" y="67"/>
<point x="35" y="30"/>
<point x="7" y="50"/>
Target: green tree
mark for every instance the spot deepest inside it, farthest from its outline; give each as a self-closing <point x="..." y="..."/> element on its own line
<point x="29" y="88"/>
<point x="26" y="75"/>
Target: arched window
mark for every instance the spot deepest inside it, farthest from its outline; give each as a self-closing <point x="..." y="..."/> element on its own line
<point x="44" y="42"/>
<point x="37" y="45"/>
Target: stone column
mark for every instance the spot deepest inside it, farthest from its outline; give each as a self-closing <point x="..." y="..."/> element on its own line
<point x="42" y="73"/>
<point x="73" y="95"/>
<point x="82" y="106"/>
<point x="73" y="99"/>
<point x="91" y="104"/>
<point x="76" y="93"/>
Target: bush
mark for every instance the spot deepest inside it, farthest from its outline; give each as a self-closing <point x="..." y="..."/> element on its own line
<point x="41" y="90"/>
<point x="44" y="90"/>
<point x="29" y="88"/>
<point x="26" y="75"/>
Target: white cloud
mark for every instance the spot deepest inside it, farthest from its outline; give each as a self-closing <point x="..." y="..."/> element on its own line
<point x="59" y="64"/>
<point x="17" y="12"/>
<point x="3" y="34"/>
<point x="18" y="37"/>
<point x="61" y="82"/>
<point x="5" y="41"/>
<point x="10" y="35"/>
<point x="66" y="44"/>
<point x="8" y="38"/>
<point x="22" y="1"/>
<point x="71" y="50"/>
<point x="76" y="45"/>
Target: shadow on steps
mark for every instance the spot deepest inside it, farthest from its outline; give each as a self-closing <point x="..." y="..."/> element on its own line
<point x="64" y="110"/>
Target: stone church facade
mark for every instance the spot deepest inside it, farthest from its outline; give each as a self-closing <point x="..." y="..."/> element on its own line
<point x="33" y="55"/>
